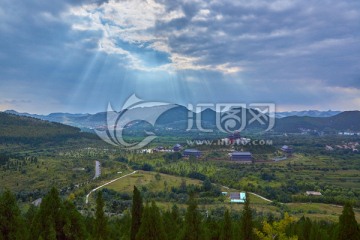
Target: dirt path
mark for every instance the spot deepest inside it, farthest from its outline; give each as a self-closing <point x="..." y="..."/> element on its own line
<point x="268" y="200"/>
<point x="87" y="196"/>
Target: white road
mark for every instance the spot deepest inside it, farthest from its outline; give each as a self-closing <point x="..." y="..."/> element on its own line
<point x="97" y="169"/>
<point x="268" y="200"/>
<point x="87" y="196"/>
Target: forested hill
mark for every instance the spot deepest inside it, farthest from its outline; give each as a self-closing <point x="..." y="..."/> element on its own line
<point x="345" y="121"/>
<point x="21" y="129"/>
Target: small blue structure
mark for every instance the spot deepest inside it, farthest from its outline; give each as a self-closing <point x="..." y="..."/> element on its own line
<point x="238" y="197"/>
<point x="191" y="152"/>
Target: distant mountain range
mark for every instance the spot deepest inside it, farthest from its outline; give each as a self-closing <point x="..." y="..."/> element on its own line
<point x="176" y="117"/>
<point x="308" y="113"/>
<point x="345" y="121"/>
<point x="167" y="116"/>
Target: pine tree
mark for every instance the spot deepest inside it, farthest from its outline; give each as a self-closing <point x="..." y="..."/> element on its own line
<point x="50" y="219"/>
<point x="152" y="227"/>
<point x="207" y="185"/>
<point x="172" y="222"/>
<point x="175" y="214"/>
<point x="246" y="225"/>
<point x="30" y="219"/>
<point x="74" y="228"/>
<point x="348" y="227"/>
<point x="317" y="233"/>
<point x="100" y="223"/>
<point x="192" y="227"/>
<point x="124" y="225"/>
<point x="303" y="228"/>
<point x="10" y="220"/>
<point x="226" y="231"/>
<point x="31" y="214"/>
<point x="212" y="228"/>
<point x="136" y="213"/>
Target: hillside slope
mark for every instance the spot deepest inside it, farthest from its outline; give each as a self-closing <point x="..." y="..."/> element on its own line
<point x="21" y="129"/>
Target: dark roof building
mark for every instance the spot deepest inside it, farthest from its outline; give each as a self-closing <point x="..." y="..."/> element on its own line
<point x="238" y="197"/>
<point x="191" y="152"/>
<point x="243" y="157"/>
<point x="177" y="147"/>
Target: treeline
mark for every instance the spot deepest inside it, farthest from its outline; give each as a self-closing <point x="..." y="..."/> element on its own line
<point x="59" y="219"/>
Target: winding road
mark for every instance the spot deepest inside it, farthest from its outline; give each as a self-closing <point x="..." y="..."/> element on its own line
<point x="93" y="190"/>
<point x="268" y="200"/>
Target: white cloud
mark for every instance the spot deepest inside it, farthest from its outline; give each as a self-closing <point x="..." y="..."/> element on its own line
<point x="176" y="14"/>
<point x="202" y="15"/>
<point x="133" y="22"/>
<point x="229" y="68"/>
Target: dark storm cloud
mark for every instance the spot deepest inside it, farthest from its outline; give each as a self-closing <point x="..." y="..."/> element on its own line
<point x="42" y="58"/>
<point x="290" y="52"/>
<point x="312" y="39"/>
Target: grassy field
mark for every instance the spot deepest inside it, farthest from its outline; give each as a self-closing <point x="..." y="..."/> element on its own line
<point x="147" y="179"/>
<point x="319" y="211"/>
<point x="45" y="173"/>
<point x="316" y="211"/>
<point x="55" y="171"/>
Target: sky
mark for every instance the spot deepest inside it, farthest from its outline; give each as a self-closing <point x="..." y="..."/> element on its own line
<point x="77" y="56"/>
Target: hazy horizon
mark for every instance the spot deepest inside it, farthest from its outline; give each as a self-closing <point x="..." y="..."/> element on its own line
<point x="54" y="112"/>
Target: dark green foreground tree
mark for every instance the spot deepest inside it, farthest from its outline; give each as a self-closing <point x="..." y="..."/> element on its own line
<point x="100" y="224"/>
<point x="348" y="227"/>
<point x="152" y="227"/>
<point x="136" y="213"/>
<point x="10" y="220"/>
<point x="50" y="219"/>
<point x="246" y="225"/>
<point x="226" y="231"/>
<point x="192" y="226"/>
<point x="57" y="219"/>
<point x="172" y="222"/>
<point x="74" y="228"/>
